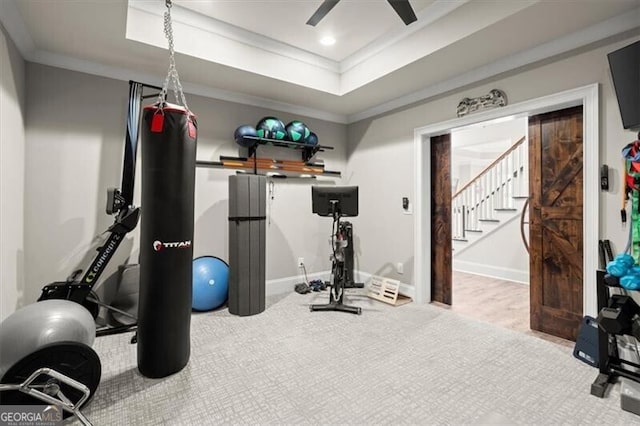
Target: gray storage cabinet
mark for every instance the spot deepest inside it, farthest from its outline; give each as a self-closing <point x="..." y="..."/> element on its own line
<point x="247" y="212"/>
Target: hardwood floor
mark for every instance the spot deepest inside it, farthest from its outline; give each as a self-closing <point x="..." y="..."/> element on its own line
<point x="503" y="303"/>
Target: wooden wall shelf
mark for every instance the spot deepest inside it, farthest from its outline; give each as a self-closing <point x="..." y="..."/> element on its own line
<point x="273" y="167"/>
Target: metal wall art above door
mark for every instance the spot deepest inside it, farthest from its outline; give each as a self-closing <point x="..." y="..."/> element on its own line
<point x="495" y="98"/>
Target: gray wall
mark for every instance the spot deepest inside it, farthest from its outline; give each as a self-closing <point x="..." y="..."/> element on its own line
<point x="380" y="154"/>
<point x="75" y="132"/>
<point x="12" y="145"/>
<point x="510" y="262"/>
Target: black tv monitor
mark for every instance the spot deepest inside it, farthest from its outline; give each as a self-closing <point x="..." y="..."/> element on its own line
<point x="345" y="199"/>
<point x="625" y="72"/>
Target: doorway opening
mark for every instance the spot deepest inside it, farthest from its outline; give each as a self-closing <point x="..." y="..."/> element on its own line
<point x="489" y="201"/>
<point x="427" y="287"/>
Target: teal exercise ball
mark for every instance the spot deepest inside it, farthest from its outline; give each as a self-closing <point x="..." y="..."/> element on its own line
<point x="297" y="131"/>
<point x="210" y="283"/>
<point x="271" y="128"/>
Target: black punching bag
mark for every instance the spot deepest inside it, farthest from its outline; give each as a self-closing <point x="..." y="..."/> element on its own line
<point x="169" y="135"/>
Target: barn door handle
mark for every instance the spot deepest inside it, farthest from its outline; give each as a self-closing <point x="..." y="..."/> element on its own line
<point x="522" y="223"/>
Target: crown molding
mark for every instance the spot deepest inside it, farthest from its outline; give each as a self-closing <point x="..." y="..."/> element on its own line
<point x="124" y="74"/>
<point x="12" y="21"/>
<point x="194" y="19"/>
<point x="609" y="28"/>
<point x="427" y="16"/>
<point x="211" y="25"/>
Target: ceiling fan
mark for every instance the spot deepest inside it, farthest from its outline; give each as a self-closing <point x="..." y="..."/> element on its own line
<point x="402" y="7"/>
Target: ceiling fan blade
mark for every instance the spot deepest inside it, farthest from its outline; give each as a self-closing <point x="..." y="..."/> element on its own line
<point x="404" y="10"/>
<point x="324" y="8"/>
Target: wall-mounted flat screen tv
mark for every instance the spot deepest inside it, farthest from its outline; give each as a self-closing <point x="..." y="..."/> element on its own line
<point x="625" y="71"/>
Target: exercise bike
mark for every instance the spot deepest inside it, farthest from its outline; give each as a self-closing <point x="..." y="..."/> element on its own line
<point x="345" y="230"/>
<point x="336" y="202"/>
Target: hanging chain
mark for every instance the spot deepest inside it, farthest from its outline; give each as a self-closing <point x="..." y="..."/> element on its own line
<point x="172" y="73"/>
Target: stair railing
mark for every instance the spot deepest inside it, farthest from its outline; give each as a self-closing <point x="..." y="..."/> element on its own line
<point x="492" y="189"/>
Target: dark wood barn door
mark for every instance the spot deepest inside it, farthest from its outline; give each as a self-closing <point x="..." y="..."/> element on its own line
<point x="555" y="221"/>
<point x="441" y="243"/>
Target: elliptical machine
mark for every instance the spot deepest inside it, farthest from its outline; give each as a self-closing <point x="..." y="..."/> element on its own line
<point x="336" y="202"/>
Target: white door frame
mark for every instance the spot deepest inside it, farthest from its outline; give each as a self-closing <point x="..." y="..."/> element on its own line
<point x="587" y="96"/>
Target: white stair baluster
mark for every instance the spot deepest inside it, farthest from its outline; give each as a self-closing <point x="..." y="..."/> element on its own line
<point x="512" y="178"/>
<point x="525" y="146"/>
<point x="483" y="194"/>
<point x="521" y="167"/>
<point x="505" y="182"/>
<point x="493" y="205"/>
<point x="501" y="180"/>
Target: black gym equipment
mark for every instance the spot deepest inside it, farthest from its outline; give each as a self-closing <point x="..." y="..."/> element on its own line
<point x="402" y="7"/>
<point x="168" y="138"/>
<point x="80" y="284"/>
<point x="46" y="356"/>
<point x="346" y="232"/>
<point x="586" y="348"/>
<point x="336" y="202"/>
<point x="63" y="373"/>
<point x="619" y="315"/>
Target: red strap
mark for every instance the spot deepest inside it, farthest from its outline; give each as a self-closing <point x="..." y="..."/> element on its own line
<point x="157" y="123"/>
<point x="192" y="129"/>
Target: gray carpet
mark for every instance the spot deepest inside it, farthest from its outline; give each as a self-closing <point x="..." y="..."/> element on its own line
<point x="391" y="365"/>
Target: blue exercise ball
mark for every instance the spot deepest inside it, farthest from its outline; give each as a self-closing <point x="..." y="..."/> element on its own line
<point x="241" y="132"/>
<point x="210" y="283"/>
<point x="312" y="139"/>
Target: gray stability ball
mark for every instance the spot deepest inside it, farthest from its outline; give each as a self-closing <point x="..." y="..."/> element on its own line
<point x="41" y="323"/>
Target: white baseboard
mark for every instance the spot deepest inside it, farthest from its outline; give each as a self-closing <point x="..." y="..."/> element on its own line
<point x="499" y="272"/>
<point x="285" y="285"/>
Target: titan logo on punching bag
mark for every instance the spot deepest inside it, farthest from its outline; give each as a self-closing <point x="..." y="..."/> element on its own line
<point x="159" y="245"/>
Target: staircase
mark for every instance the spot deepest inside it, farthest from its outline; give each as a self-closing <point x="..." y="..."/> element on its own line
<point x="495" y="197"/>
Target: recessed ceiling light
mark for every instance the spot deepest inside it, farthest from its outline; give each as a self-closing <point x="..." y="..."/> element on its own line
<point x="327" y="41"/>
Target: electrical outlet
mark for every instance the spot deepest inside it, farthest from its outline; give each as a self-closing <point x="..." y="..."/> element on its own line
<point x="400" y="268"/>
<point x="300" y="261"/>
